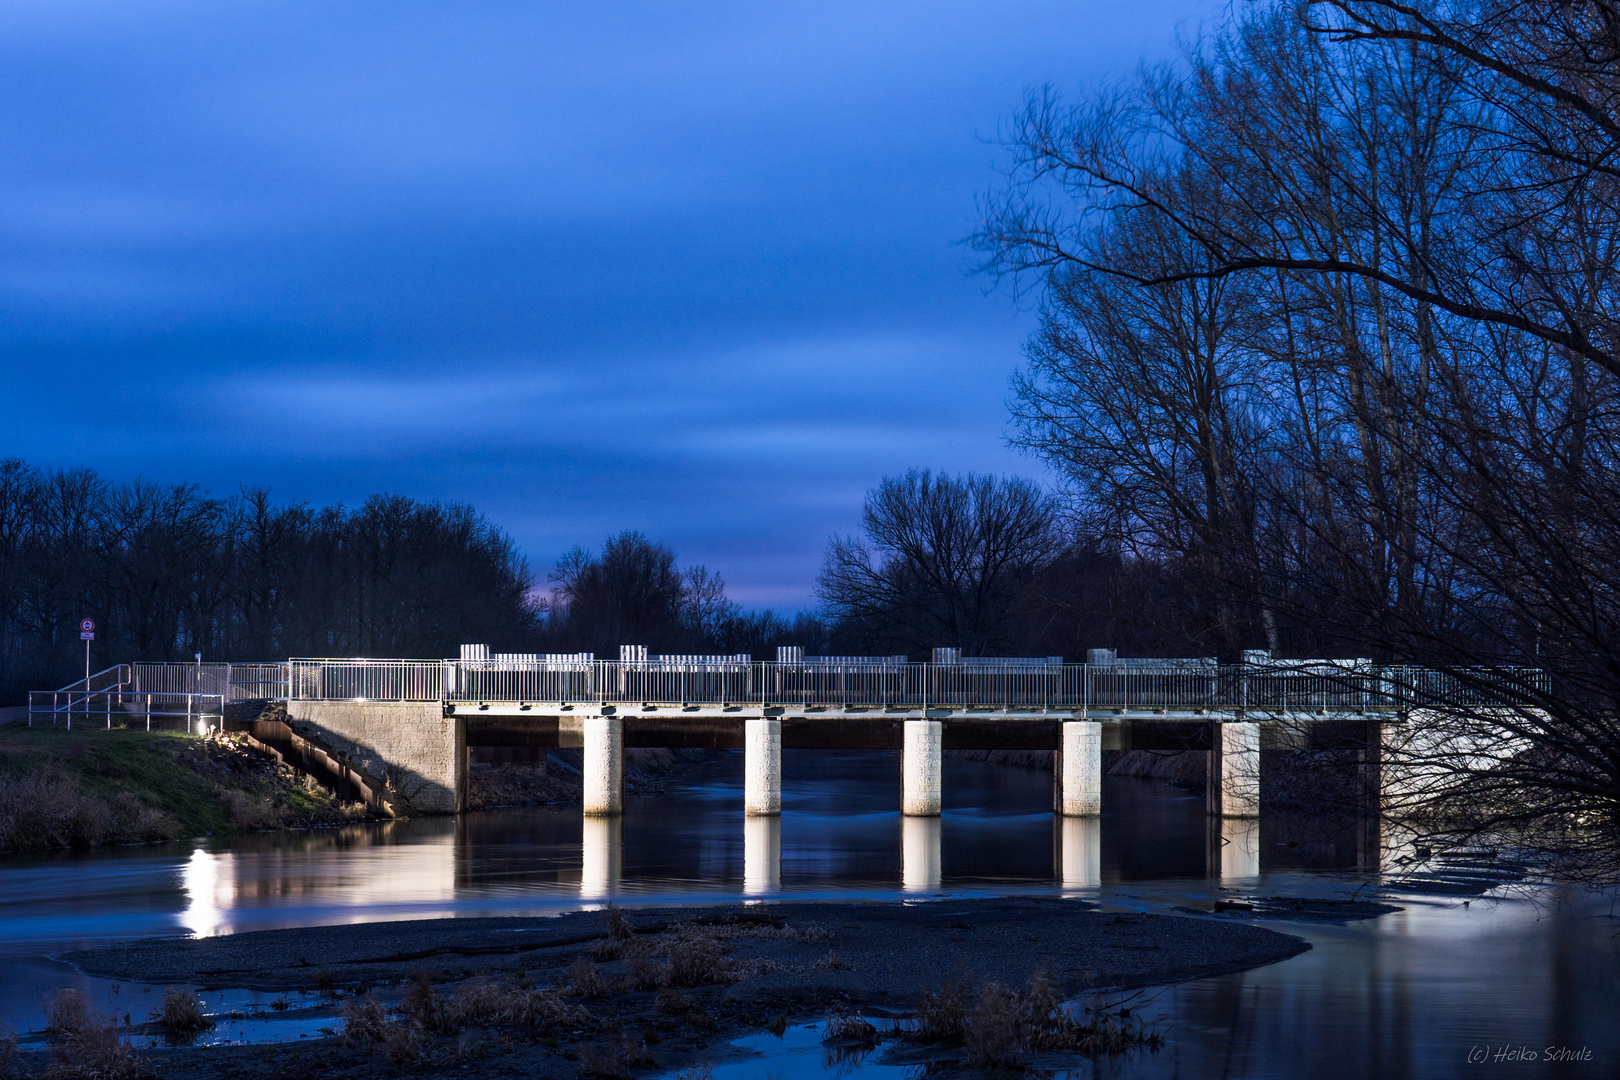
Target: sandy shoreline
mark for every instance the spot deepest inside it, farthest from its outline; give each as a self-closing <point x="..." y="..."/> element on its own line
<point x="765" y="964"/>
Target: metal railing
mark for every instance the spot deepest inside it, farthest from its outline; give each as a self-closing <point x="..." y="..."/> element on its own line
<point x="124" y="692"/>
<point x="1272" y="688"/>
<point x="370" y="680"/>
<point x="120" y="693"/>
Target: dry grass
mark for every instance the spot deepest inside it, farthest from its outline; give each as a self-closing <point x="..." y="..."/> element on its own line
<point x="701" y="1071"/>
<point x="672" y="1002"/>
<point x="1004" y="1026"/>
<point x="84" y="1045"/>
<point x="848" y="1027"/>
<point x="615" y="1059"/>
<point x="586" y="980"/>
<point x="497" y="1002"/>
<point x="182" y="1016"/>
<point x="250" y="812"/>
<point x="695" y="958"/>
<point x="997" y="1033"/>
<point x="421" y="1005"/>
<point x="43" y="811"/>
<point x="424" y="1013"/>
<point x="941" y="1017"/>
<point x="364" y="1021"/>
<point x="403" y="1043"/>
<point x="833" y="962"/>
<point x="68" y="1012"/>
<point x="693" y="954"/>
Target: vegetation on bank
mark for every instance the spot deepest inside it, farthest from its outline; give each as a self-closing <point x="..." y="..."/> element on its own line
<point x="90" y="786"/>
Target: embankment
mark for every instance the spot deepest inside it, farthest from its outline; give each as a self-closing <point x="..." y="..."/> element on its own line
<point x="91" y="786"/>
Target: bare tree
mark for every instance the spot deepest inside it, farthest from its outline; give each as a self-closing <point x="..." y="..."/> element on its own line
<point x="1419" y="205"/>
<point x="943" y="563"/>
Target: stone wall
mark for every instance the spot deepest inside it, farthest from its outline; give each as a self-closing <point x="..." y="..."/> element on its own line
<point x="411" y="750"/>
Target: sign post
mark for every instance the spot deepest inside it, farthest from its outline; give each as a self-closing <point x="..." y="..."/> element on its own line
<point x="87" y="631"/>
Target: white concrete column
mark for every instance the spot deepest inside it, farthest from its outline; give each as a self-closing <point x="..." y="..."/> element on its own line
<point x="920" y="767"/>
<point x="601" y="857"/>
<point x="1240" y="770"/>
<point x="919" y="854"/>
<point x="762" y="854"/>
<point x="1081" y="778"/>
<point x="604" y="765"/>
<point x="762" y="767"/>
<point x="1080" y="852"/>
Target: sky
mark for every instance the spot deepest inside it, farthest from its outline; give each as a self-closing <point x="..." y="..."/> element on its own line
<point x="690" y="268"/>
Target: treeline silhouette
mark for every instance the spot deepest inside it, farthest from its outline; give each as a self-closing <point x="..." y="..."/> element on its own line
<point x="985" y="564"/>
<point x="171" y="571"/>
<point x="633" y="593"/>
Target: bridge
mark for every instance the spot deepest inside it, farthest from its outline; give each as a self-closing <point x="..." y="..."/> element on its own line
<point x="400" y="729"/>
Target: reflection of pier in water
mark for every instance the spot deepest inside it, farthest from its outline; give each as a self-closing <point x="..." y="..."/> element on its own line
<point x="828" y="838"/>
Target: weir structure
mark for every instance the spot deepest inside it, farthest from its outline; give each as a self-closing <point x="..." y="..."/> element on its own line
<point x="403" y="727"/>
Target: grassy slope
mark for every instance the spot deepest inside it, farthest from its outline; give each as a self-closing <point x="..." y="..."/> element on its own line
<point x="203" y="785"/>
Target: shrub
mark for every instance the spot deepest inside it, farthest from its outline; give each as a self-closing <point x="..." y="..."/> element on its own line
<point x="648" y="974"/>
<point x="68" y="1013"/>
<point x="611" y="1060"/>
<point x="8" y="1056"/>
<point x="1003" y="1027"/>
<point x="364" y="1020"/>
<point x="586" y="981"/>
<point x="250" y="812"/>
<point x="673" y="1002"/>
<point x="997" y="1031"/>
<point x="940" y="1016"/>
<point x="847" y="1026"/>
<point x="421" y="1004"/>
<point x="618" y="926"/>
<point x="182" y="1016"/>
<point x="695" y="959"/>
<point x="84" y="1045"/>
<point x="402" y="1043"/>
<point x="493" y="1002"/>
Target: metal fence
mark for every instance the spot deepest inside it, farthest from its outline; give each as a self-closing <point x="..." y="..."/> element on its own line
<point x="369" y="680"/>
<point x="1271" y="688"/>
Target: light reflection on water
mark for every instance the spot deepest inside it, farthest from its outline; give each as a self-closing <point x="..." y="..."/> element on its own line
<point x="1406" y="995"/>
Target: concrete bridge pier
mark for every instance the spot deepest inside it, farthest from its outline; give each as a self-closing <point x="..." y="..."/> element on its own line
<point x="604" y="765"/>
<point x="1079" y="769"/>
<point x="762" y="767"/>
<point x="920" y="768"/>
<point x="1233" y="787"/>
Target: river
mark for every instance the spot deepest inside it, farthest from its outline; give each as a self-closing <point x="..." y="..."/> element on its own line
<point x="1429" y="991"/>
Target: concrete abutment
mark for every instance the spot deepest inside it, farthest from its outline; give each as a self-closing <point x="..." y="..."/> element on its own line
<point x="411" y="753"/>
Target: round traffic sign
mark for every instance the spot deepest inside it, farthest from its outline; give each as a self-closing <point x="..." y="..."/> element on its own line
<point x="88" y="626"/>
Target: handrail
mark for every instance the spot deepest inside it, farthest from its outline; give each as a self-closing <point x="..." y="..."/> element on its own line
<point x="1276" y="687"/>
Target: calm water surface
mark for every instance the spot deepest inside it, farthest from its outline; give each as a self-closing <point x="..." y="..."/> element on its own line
<point x="1417" y="993"/>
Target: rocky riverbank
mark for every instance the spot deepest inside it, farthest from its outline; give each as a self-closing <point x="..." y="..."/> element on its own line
<point x="623" y="992"/>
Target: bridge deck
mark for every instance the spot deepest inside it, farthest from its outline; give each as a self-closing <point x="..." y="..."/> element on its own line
<point x="1178" y="714"/>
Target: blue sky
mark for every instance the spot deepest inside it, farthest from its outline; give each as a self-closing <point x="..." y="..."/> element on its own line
<point x="692" y="268"/>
